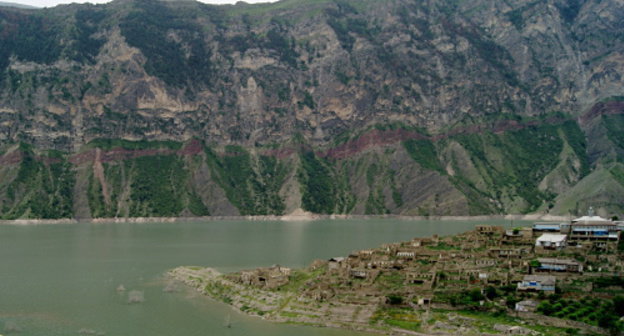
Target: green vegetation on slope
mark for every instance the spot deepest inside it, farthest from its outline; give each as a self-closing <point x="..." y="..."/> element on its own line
<point x="617" y="172"/>
<point x="615" y="130"/>
<point x="423" y="152"/>
<point x="576" y="139"/>
<point x="597" y="312"/>
<point x="375" y="204"/>
<point x="43" y="187"/>
<point x="99" y="208"/>
<point x="146" y="186"/>
<point x="504" y="175"/>
<point x="38" y="36"/>
<point x="157" y="186"/>
<point x="602" y="188"/>
<point x="176" y="63"/>
<point x="252" y="185"/>
<point x="401" y="317"/>
<point x="107" y="144"/>
<point x="514" y="162"/>
<point x="324" y="188"/>
<point x="318" y="189"/>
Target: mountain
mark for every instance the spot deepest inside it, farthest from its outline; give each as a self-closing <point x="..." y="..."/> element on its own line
<point x="16" y="5"/>
<point x="150" y="108"/>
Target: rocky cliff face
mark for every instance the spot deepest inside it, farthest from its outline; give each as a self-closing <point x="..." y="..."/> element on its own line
<point x="142" y="107"/>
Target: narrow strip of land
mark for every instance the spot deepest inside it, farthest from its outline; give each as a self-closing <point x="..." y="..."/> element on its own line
<point x="550" y="279"/>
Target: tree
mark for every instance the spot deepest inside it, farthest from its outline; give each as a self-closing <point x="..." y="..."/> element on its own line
<point x="490" y="292"/>
<point x="618" y="305"/>
<point x="475" y="295"/>
<point x="545" y="308"/>
<point x="394" y="299"/>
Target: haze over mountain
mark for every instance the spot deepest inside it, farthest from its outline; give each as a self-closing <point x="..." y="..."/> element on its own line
<point x="150" y="108"/>
<point x="13" y="4"/>
<point x="52" y="3"/>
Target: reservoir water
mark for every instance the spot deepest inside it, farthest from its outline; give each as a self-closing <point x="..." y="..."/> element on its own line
<point x="63" y="279"/>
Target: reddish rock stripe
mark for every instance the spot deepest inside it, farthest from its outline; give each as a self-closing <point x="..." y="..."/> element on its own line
<point x="370" y="139"/>
<point x="281" y="153"/>
<point x="12" y="158"/>
<point x="48" y="160"/>
<point x="84" y="157"/>
<point x="16" y="157"/>
<point x="194" y="147"/>
<point x="380" y="138"/>
<point x="600" y="109"/>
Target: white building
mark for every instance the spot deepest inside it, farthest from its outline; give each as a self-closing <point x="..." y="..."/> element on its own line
<point x="552" y="241"/>
<point x="406" y="254"/>
<point x="592" y="227"/>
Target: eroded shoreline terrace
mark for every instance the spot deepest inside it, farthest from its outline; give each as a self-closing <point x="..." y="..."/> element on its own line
<point x="542" y="280"/>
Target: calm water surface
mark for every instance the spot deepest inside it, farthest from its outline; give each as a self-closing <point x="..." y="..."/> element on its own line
<point x="62" y="279"/>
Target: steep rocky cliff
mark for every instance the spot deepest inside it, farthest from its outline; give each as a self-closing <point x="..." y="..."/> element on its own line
<point x="150" y="108"/>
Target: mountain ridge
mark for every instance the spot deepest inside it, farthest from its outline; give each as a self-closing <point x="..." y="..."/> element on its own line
<point x="375" y="107"/>
<point x="16" y="5"/>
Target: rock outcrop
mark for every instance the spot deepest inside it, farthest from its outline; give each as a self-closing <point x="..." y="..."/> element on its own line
<point x="397" y="106"/>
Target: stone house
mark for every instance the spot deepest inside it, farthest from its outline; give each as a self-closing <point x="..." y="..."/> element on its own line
<point x="517" y="236"/>
<point x="482" y="263"/>
<point x="419" y="242"/>
<point x="267" y="277"/>
<point x="558" y="265"/>
<point x="358" y="273"/>
<point x="508" y="252"/>
<point x="489" y="230"/>
<point x="526" y="306"/>
<point x="419" y="277"/>
<point x="544" y="283"/>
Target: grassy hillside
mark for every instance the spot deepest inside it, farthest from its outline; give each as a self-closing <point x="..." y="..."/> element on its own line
<point x="39" y="186"/>
<point x="526" y="168"/>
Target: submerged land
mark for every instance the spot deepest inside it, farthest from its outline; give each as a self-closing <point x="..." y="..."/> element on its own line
<point x="549" y="279"/>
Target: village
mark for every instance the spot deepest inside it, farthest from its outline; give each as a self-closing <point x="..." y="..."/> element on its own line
<point x="565" y="276"/>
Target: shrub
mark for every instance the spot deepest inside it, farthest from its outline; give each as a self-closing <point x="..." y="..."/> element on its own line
<point x="394" y="299"/>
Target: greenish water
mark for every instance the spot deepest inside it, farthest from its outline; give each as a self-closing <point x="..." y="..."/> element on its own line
<point x="61" y="279"/>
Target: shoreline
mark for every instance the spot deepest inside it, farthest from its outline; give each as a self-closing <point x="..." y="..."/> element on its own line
<point x="286" y="218"/>
<point x="417" y="287"/>
<point x="253" y="302"/>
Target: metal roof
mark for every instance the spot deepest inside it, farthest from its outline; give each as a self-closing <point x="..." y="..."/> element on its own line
<point x="558" y="261"/>
<point x="543" y="279"/>
<point x="553" y="227"/>
<point x="552" y="237"/>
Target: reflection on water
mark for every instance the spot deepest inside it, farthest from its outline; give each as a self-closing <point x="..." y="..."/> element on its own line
<point x="96" y="279"/>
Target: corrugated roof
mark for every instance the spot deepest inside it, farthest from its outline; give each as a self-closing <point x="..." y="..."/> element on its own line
<point x="552" y="237"/>
<point x="558" y="261"/>
<point x="544" y="280"/>
<point x="546" y="226"/>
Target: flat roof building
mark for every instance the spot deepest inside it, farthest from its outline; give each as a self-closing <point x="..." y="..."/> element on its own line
<point x="559" y="265"/>
<point x="545" y="283"/>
